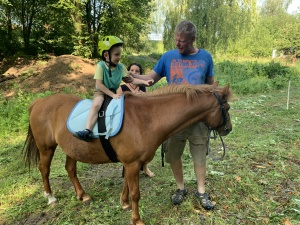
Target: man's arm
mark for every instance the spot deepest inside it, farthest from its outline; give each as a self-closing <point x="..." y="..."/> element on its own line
<point x="209" y="80"/>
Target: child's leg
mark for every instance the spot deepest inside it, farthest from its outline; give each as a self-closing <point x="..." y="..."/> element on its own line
<point x="93" y="115"/>
<point x="86" y="135"/>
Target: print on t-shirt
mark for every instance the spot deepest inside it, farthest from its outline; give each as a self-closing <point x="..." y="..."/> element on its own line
<point x="187" y="71"/>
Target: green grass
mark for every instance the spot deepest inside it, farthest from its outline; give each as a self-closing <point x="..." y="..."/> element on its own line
<point x="256" y="183"/>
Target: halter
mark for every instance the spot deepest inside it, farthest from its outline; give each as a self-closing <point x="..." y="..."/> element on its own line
<point x="225" y="118"/>
<point x="214" y="134"/>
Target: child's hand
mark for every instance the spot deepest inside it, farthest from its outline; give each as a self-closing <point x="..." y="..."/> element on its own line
<point x="149" y="82"/>
<point x="127" y="79"/>
<point x="116" y="96"/>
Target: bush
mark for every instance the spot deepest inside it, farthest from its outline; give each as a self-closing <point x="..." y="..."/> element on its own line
<point x="254" y="77"/>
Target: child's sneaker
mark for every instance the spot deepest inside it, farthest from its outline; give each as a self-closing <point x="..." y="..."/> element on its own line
<point x="85" y="135"/>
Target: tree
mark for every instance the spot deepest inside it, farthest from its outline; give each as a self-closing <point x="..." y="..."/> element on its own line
<point x="174" y="11"/>
<point x="26" y="11"/>
<point x="93" y="18"/>
<point x="218" y="21"/>
<point x="282" y="26"/>
<point x="8" y="43"/>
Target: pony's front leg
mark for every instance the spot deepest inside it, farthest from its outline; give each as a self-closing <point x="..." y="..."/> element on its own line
<point x="72" y="171"/>
<point x="124" y="198"/>
<point x="44" y="167"/>
<point x="132" y="183"/>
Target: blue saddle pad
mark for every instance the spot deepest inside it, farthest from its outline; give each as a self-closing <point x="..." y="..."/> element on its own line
<point x="113" y="117"/>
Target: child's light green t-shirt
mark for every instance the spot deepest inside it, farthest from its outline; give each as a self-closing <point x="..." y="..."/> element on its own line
<point x="117" y="73"/>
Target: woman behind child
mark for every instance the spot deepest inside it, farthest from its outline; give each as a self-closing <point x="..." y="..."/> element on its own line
<point x="135" y="68"/>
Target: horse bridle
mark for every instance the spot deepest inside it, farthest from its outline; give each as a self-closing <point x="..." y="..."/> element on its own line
<point x="223" y="110"/>
<point x="214" y="133"/>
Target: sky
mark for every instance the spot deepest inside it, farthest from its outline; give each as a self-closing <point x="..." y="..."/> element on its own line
<point x="294" y="6"/>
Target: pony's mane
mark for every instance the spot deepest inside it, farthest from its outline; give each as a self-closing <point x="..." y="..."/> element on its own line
<point x="188" y="89"/>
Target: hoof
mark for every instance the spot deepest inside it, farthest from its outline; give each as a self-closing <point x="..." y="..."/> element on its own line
<point x="138" y="223"/>
<point x="85" y="198"/>
<point x="51" y="199"/>
<point x="53" y="204"/>
<point x="124" y="205"/>
<point x="87" y="202"/>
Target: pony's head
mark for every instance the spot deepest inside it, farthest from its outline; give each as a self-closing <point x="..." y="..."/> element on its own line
<point x="219" y="118"/>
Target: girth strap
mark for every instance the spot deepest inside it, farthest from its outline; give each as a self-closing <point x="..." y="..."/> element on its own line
<point x="110" y="152"/>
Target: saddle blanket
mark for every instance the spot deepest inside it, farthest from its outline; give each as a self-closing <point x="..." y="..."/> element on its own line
<point x="113" y="117"/>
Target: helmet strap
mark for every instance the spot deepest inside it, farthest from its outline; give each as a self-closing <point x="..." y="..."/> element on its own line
<point x="110" y="63"/>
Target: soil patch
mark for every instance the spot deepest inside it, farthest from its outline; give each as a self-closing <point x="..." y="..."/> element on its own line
<point x="55" y="74"/>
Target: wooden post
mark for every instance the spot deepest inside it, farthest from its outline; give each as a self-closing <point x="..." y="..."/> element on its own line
<point x="288" y="96"/>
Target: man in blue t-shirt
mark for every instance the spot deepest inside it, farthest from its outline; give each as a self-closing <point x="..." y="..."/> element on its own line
<point x="186" y="64"/>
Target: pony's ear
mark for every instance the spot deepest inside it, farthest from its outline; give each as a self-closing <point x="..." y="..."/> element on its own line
<point x="228" y="86"/>
<point x="227" y="91"/>
<point x="216" y="84"/>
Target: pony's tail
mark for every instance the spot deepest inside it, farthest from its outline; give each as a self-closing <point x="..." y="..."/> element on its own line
<point x="30" y="151"/>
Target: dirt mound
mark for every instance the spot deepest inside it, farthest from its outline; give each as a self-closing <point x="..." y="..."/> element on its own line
<point x="56" y="74"/>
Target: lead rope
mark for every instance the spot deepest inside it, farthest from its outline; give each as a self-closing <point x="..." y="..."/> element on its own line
<point x="212" y="134"/>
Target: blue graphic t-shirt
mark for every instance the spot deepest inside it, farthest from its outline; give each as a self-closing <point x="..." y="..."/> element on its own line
<point x="182" y="69"/>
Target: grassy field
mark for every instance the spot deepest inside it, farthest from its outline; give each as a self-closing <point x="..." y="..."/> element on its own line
<point x="256" y="183"/>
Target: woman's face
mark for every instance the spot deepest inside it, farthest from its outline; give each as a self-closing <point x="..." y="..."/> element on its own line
<point x="135" y="70"/>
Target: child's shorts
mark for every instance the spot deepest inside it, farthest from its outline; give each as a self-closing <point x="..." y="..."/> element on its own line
<point x="196" y="134"/>
<point x="97" y="93"/>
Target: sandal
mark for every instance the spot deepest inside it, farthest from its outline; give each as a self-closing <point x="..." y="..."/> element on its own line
<point x="178" y="197"/>
<point x="205" y="201"/>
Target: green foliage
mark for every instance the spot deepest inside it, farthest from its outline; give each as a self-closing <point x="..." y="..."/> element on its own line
<point x="9" y="45"/>
<point x="53" y="36"/>
<point x="48" y="26"/>
<point x="218" y="22"/>
<point x="147" y="62"/>
<point x="297" y="208"/>
<point x="236" y="28"/>
<point x="85" y="48"/>
<point x="15" y="112"/>
<point x="253" y="77"/>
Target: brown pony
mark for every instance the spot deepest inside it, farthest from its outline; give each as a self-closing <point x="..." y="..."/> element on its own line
<point x="149" y="119"/>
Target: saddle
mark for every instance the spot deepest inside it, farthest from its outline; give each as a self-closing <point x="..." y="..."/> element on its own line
<point x="110" y="117"/>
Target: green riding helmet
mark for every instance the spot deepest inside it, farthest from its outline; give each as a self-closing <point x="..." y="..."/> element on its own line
<point x="107" y="42"/>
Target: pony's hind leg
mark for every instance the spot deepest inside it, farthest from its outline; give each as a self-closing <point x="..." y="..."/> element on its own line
<point x="44" y="167"/>
<point x="72" y="172"/>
